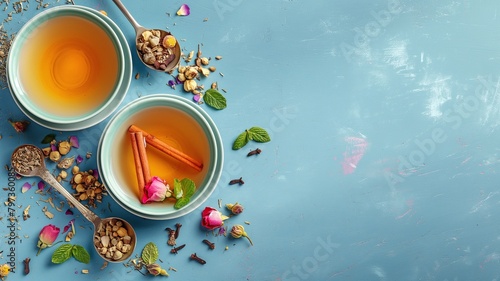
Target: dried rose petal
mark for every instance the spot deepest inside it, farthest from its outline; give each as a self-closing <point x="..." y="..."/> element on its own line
<point x="69" y="212"/>
<point x="79" y="159"/>
<point x="26" y="186"/>
<point x="73" y="140"/>
<point x="197" y="98"/>
<point x="171" y="84"/>
<point x="41" y="185"/>
<point x="184" y="10"/>
<point x="68" y="226"/>
<point x="53" y="147"/>
<point x="95" y="173"/>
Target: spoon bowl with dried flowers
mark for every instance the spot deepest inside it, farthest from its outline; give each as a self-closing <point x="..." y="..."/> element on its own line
<point x="114" y="238"/>
<point x="157" y="49"/>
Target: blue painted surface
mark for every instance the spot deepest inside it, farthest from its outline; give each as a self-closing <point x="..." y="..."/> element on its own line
<point x="383" y="162"/>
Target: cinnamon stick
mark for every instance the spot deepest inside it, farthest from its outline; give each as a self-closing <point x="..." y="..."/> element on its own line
<point x="143" y="157"/>
<point x="138" y="166"/>
<point x="167" y="149"/>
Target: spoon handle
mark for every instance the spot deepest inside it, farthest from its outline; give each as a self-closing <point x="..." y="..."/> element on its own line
<point x="128" y="15"/>
<point x="49" y="178"/>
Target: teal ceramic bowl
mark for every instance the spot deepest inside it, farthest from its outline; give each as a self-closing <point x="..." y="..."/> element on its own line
<point x="110" y="99"/>
<point x="175" y="121"/>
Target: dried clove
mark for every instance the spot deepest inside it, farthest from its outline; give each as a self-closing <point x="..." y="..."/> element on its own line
<point x="237" y="181"/>
<point x="177" y="249"/>
<point x="171" y="236"/>
<point x="211" y="245"/>
<point x="26" y="263"/>
<point x="177" y="229"/>
<point x="254" y="152"/>
<point x="198" y="259"/>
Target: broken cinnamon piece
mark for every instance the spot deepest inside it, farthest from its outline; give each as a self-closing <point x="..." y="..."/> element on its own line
<point x="167" y="149"/>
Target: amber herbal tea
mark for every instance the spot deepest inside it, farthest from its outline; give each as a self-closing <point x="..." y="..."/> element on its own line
<point x="68" y="66"/>
<point x="176" y="129"/>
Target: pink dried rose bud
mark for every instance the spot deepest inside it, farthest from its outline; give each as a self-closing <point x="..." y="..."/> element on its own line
<point x="155" y="190"/>
<point x="155" y="269"/>
<point x="19" y="126"/>
<point x="212" y="218"/>
<point x="238" y="231"/>
<point x="47" y="236"/>
<point x="235" y="208"/>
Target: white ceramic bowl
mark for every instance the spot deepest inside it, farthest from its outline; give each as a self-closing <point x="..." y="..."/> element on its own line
<point x="113" y="98"/>
<point x="160" y="115"/>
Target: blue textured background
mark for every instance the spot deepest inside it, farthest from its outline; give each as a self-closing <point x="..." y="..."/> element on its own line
<point x="383" y="162"/>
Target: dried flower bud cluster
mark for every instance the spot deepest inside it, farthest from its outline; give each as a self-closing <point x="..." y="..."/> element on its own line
<point x="156" y="49"/>
<point x="87" y="187"/>
<point x="188" y="74"/>
<point x="113" y="241"/>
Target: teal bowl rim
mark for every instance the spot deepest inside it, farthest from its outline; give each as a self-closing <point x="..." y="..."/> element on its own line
<point x="12" y="67"/>
<point x="115" y="102"/>
<point x="209" y="184"/>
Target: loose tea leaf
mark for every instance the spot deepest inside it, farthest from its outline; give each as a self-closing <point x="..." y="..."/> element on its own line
<point x="181" y="202"/>
<point x="150" y="253"/>
<point x="241" y="141"/>
<point x="62" y="254"/>
<point x="214" y="99"/>
<point x="178" y="192"/>
<point x="183" y="190"/>
<point x="80" y="254"/>
<point x="188" y="187"/>
<point x="258" y="134"/>
<point x="48" y="138"/>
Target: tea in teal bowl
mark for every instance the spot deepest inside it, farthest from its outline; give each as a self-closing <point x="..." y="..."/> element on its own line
<point x="69" y="68"/>
<point x="175" y="122"/>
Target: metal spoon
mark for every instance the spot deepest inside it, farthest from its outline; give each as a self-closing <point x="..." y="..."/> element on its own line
<point x="28" y="160"/>
<point x="138" y="33"/>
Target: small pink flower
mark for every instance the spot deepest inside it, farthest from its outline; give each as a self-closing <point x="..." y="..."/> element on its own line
<point x="155" y="191"/>
<point x="235" y="208"/>
<point x="211" y="218"/>
<point x="47" y="236"/>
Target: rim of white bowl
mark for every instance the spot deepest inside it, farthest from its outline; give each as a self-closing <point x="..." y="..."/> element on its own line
<point x="13" y="67"/>
<point x="211" y="180"/>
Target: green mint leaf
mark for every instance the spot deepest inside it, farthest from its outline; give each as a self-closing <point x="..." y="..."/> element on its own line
<point x="181" y="202"/>
<point x="48" y="138"/>
<point x="258" y="134"/>
<point x="241" y="141"/>
<point x="178" y="192"/>
<point x="214" y="99"/>
<point x="80" y="254"/>
<point x="189" y="187"/>
<point x="62" y="254"/>
<point x="150" y="253"/>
